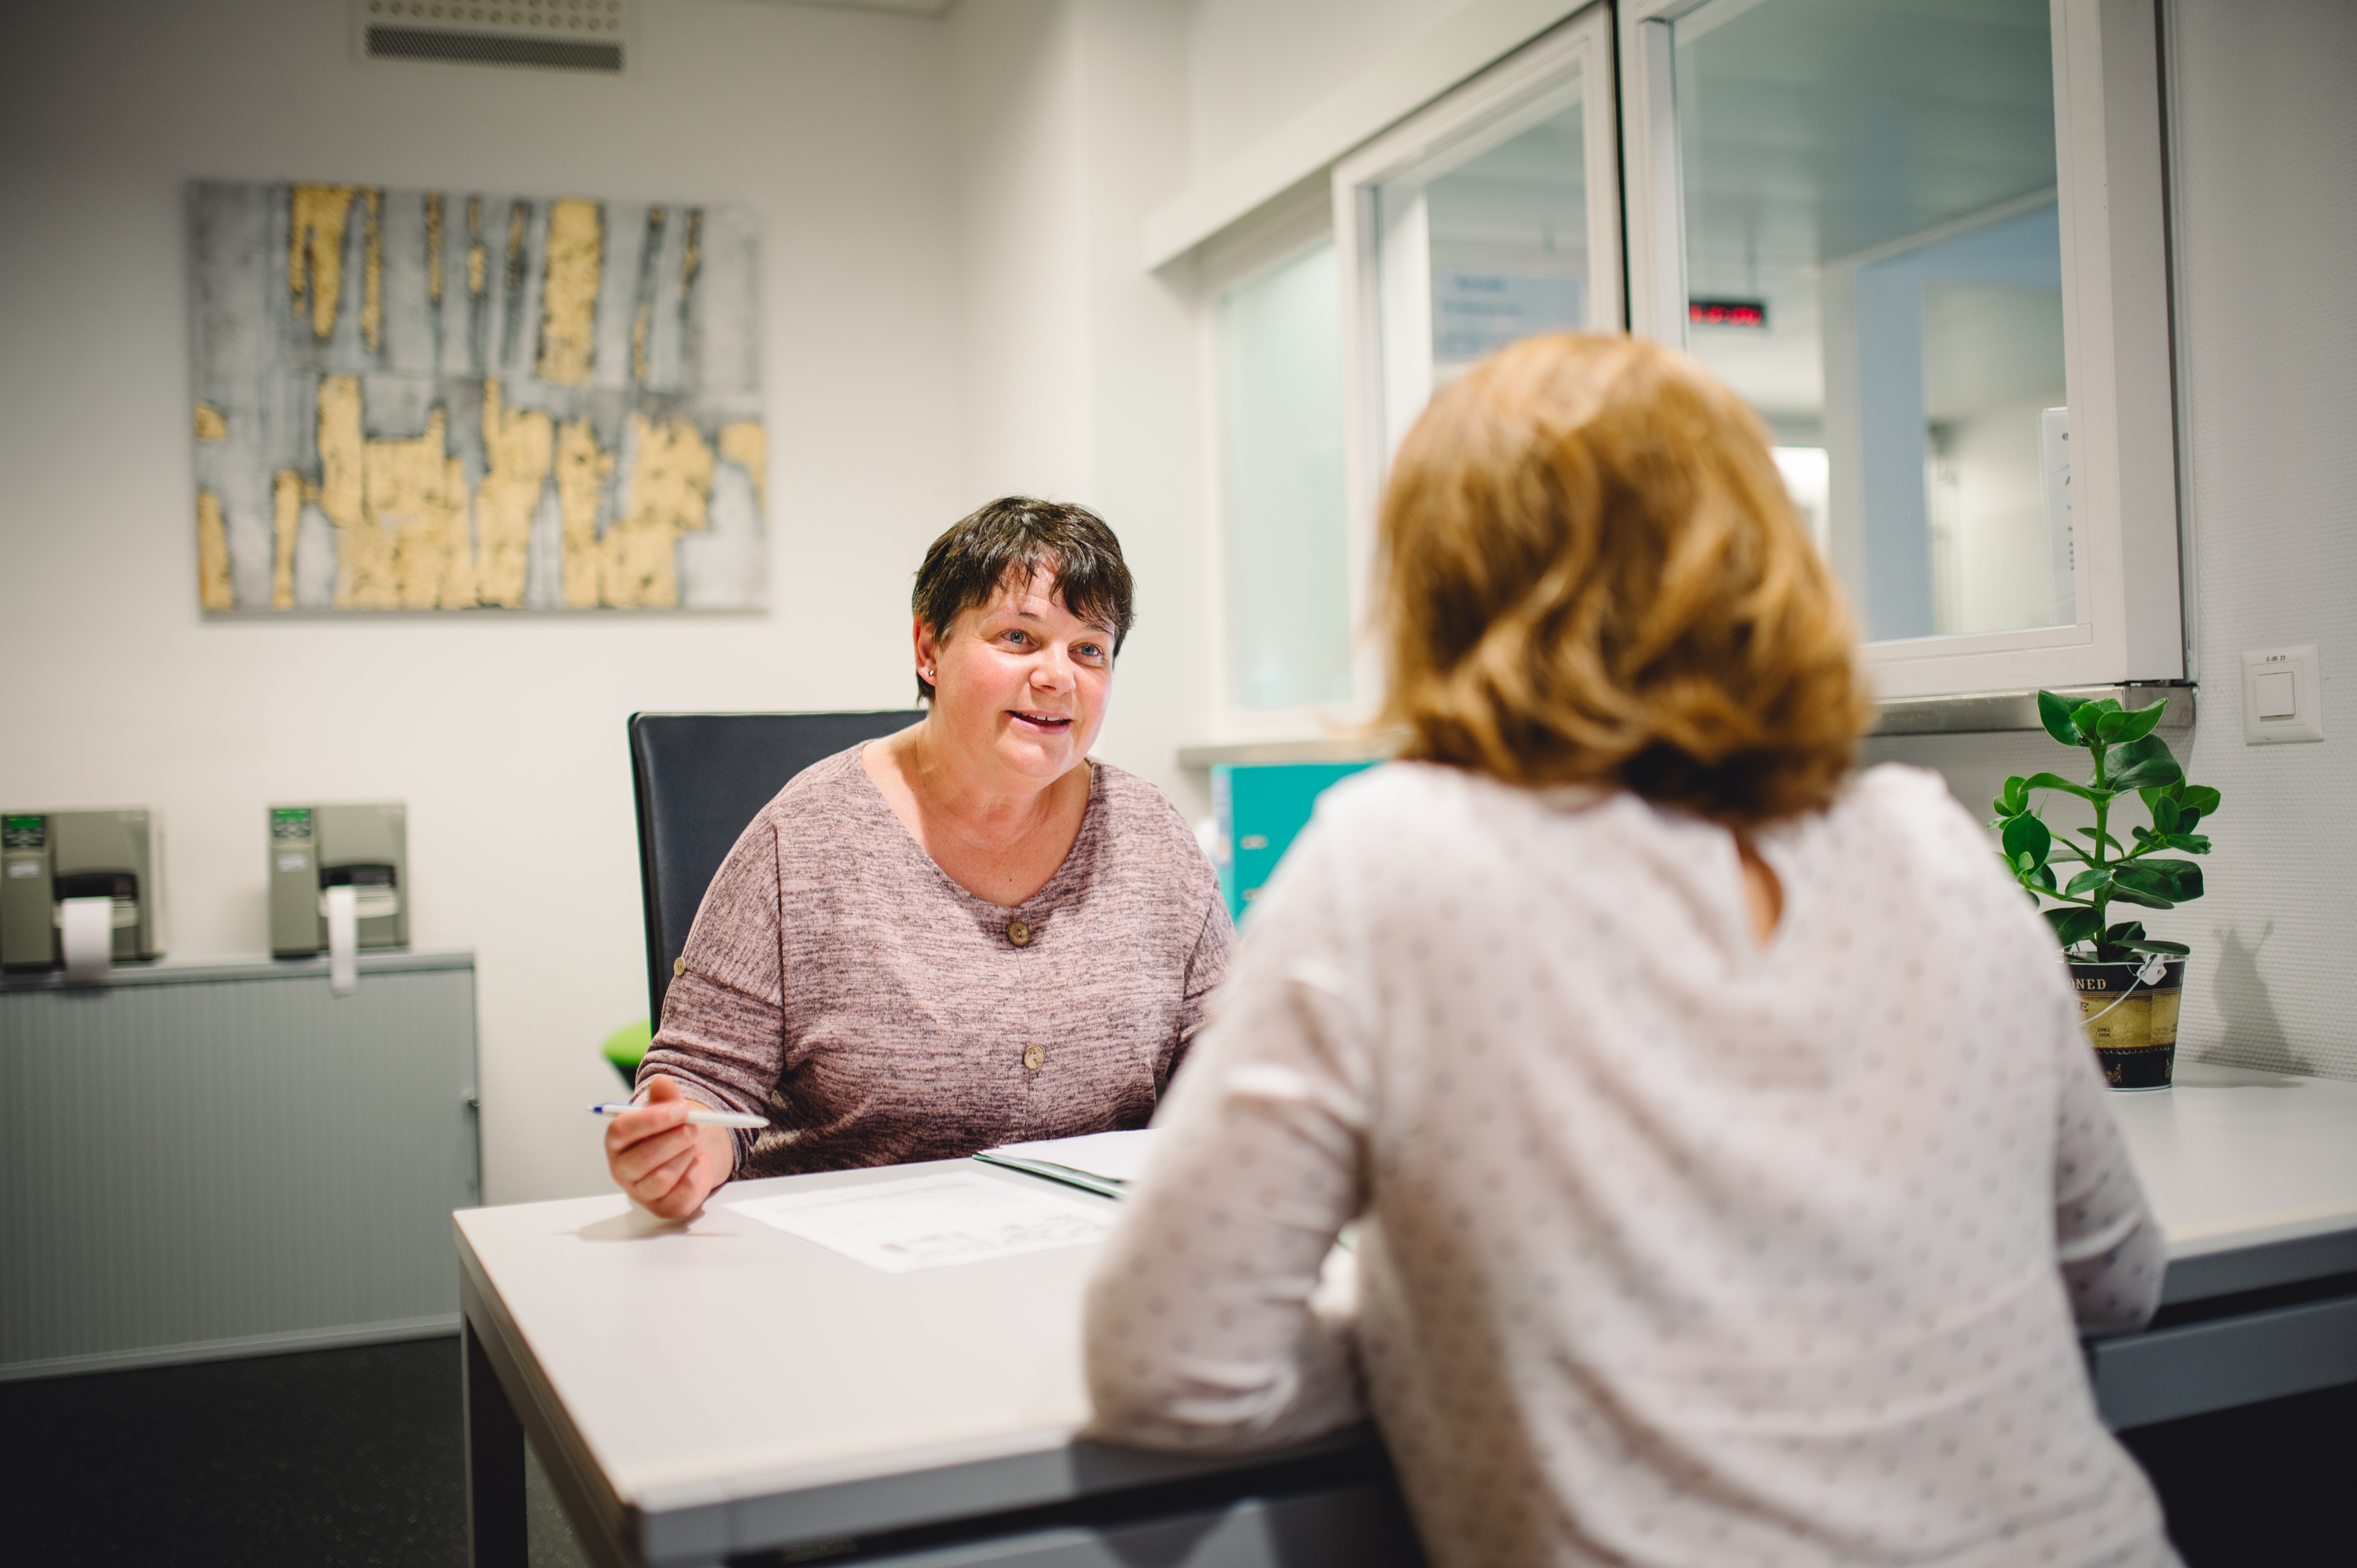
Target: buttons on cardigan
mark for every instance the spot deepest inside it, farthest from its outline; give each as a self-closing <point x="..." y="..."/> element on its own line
<point x="1020" y="933"/>
<point x="1035" y="1056"/>
<point x="678" y="967"/>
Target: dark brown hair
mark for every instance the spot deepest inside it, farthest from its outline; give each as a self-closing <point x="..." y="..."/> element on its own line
<point x="1594" y="574"/>
<point x="1016" y="534"/>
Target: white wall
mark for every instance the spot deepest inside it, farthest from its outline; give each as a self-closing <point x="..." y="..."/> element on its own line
<point x="2265" y="211"/>
<point x="1255" y="64"/>
<point x="1022" y="249"/>
<point x="504" y="733"/>
<point x="1079" y="369"/>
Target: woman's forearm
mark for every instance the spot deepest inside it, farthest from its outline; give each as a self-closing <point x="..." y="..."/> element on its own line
<point x="1206" y="1327"/>
<point x="2107" y="1242"/>
<point x="724" y="1047"/>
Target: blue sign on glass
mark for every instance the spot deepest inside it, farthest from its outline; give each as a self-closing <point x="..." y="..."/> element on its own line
<point x="1476" y="313"/>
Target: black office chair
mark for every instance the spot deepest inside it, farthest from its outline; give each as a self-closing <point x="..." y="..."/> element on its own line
<point x="699" y="779"/>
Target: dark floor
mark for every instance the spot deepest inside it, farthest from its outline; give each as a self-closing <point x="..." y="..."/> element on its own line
<point x="352" y="1457"/>
<point x="328" y="1457"/>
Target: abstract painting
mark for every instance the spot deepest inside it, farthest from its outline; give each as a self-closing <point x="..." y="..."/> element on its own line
<point x="424" y="399"/>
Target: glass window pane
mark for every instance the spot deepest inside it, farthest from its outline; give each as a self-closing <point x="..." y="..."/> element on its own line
<point x="1874" y="260"/>
<point x="1809" y="476"/>
<point x="1482" y="242"/>
<point x="1509" y="238"/>
<point x="1288" y="610"/>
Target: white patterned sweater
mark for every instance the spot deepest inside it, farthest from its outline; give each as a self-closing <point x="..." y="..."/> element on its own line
<point x="1674" y="1249"/>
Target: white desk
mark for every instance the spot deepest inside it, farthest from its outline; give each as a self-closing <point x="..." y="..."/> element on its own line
<point x="721" y="1389"/>
<point x="2254" y="1178"/>
<point x="697" y="1392"/>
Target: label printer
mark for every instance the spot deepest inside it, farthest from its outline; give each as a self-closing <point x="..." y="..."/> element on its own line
<point x="81" y="889"/>
<point x="338" y="882"/>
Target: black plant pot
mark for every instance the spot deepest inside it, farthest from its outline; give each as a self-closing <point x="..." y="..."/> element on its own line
<point x="2131" y="1024"/>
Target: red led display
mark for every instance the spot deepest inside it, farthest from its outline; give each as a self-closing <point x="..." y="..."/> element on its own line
<point x="1728" y="312"/>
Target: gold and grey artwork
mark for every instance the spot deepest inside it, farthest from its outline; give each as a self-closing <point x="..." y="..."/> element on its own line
<point x="421" y="400"/>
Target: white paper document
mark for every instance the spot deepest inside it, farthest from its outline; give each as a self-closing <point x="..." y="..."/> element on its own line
<point x="933" y="1222"/>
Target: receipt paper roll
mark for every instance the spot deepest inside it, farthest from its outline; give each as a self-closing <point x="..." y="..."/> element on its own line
<point x="343" y="941"/>
<point x="86" y="933"/>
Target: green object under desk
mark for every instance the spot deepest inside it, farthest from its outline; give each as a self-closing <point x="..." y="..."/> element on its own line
<point x="625" y="1048"/>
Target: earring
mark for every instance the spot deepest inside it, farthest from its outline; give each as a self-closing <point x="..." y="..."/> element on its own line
<point x="929" y="671"/>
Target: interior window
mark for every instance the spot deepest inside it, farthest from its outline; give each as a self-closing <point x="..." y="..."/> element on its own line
<point x="1282" y="546"/>
<point x="1873" y="258"/>
<point x="1485" y="240"/>
<point x="1507" y="241"/>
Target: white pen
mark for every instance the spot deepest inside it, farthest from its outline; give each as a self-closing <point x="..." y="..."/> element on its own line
<point x="695" y="1118"/>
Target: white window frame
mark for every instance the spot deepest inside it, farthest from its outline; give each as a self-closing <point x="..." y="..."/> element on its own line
<point x="2116" y="348"/>
<point x="1386" y="316"/>
<point x="1281" y="231"/>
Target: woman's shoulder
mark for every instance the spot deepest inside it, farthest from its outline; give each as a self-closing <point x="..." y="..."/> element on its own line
<point x="1135" y="802"/>
<point x="1143" y="820"/>
<point x="829" y="797"/>
<point x="1897" y="827"/>
<point x="833" y="774"/>
<point x="1895" y="808"/>
<point x="1391" y="798"/>
<point x="1434" y="814"/>
<point x="1889" y="801"/>
<point x="1411" y="831"/>
<point x="1900" y="788"/>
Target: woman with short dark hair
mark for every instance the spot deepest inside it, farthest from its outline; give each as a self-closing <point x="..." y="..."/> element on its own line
<point x="962" y="935"/>
<point x="1732" y="1173"/>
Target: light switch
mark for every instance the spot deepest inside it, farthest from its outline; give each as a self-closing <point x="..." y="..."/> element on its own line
<point x="2282" y="697"/>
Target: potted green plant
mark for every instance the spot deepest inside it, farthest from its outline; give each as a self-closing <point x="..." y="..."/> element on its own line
<point x="2129" y="984"/>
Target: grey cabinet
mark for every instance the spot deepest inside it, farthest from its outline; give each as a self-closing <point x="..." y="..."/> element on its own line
<point x="206" y="1159"/>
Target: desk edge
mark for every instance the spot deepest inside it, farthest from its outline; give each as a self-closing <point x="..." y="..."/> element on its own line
<point x="565" y="1454"/>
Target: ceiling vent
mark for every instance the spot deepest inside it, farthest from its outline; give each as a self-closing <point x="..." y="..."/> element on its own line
<point x="559" y="35"/>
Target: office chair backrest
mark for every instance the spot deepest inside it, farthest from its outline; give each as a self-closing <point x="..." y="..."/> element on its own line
<point x="699" y="779"/>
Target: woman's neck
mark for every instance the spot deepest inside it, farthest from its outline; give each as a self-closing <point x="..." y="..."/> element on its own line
<point x="976" y="800"/>
<point x="1000" y="840"/>
<point x="1763" y="894"/>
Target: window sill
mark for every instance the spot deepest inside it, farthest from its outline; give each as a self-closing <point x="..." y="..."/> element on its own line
<point x="1993" y="713"/>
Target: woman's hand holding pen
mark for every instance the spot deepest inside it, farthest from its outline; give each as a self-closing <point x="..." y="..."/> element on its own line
<point x="667" y="1166"/>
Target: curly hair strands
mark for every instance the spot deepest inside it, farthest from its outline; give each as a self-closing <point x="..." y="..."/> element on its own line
<point x="1593" y="575"/>
<point x="1012" y="539"/>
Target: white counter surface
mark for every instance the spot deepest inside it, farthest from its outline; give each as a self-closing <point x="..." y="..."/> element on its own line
<point x="726" y="1365"/>
<point x="725" y="1359"/>
<point x="2232" y="1158"/>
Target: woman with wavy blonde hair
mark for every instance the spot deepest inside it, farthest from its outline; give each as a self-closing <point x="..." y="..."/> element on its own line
<point x="1732" y="1177"/>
